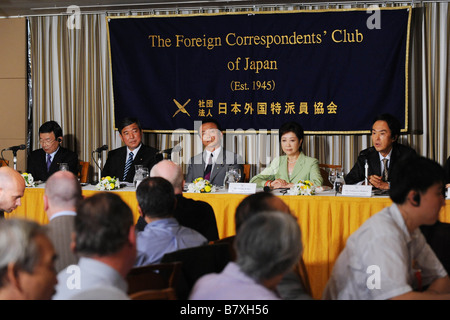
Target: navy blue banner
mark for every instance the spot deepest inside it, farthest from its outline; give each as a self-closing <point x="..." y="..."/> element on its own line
<point x="332" y="71"/>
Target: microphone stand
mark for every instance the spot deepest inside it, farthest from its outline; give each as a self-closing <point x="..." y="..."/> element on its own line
<point x="99" y="162"/>
<point x="15" y="159"/>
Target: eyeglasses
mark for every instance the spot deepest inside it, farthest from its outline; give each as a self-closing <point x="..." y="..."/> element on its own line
<point x="46" y="141"/>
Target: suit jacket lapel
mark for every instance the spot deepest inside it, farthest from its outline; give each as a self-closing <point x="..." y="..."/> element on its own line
<point x="375" y="163"/>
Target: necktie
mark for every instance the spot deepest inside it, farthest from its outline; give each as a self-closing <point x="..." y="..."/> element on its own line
<point x="207" y="174"/>
<point x="127" y="166"/>
<point x="385" y="171"/>
<point x="49" y="161"/>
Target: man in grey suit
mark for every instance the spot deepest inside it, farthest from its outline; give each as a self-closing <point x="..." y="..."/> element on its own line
<point x="213" y="163"/>
<point x="62" y="193"/>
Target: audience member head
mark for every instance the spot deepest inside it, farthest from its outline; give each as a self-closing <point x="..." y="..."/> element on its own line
<point x="268" y="245"/>
<point x="50" y="136"/>
<point x="385" y="131"/>
<point x="27" y="258"/>
<point x="104" y="227"/>
<point x="419" y="182"/>
<point x="12" y="188"/>
<point x="170" y="171"/>
<point x="156" y="198"/>
<point x="62" y="192"/>
<point x="291" y="137"/>
<point x="211" y="134"/>
<point x="258" y="202"/>
<point x="130" y="131"/>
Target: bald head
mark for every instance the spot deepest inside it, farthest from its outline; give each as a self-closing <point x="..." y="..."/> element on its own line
<point x="12" y="188"/>
<point x="62" y="192"/>
<point x="171" y="172"/>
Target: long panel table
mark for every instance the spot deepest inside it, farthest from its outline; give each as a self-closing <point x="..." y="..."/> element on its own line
<point x="326" y="221"/>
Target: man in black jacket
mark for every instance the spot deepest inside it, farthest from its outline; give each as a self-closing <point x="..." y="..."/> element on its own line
<point x="197" y="215"/>
<point x="121" y="161"/>
<point x="42" y="163"/>
<point x="385" y="133"/>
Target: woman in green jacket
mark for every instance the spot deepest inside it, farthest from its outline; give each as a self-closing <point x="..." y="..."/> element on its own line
<point x="288" y="169"/>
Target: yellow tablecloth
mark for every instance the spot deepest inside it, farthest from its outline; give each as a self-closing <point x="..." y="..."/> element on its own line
<point x="325" y="221"/>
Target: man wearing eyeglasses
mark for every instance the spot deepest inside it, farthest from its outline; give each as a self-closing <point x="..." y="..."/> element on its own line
<point x="42" y="163"/>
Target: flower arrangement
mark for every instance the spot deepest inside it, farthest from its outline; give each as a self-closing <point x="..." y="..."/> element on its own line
<point x="108" y="183"/>
<point x="302" y="188"/>
<point x="29" y="180"/>
<point x="201" y="185"/>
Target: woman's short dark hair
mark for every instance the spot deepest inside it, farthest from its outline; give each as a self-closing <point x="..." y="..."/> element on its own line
<point x="294" y="127"/>
<point x="414" y="173"/>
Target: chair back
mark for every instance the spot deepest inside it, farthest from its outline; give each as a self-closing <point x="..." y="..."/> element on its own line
<point x="4" y="163"/>
<point x="324" y="168"/>
<point x="196" y="262"/>
<point x="162" y="294"/>
<point x="83" y="172"/>
<point x="246" y="172"/>
<point x="153" y="277"/>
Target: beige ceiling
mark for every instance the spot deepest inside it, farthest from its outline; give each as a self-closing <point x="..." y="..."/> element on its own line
<point x="15" y="8"/>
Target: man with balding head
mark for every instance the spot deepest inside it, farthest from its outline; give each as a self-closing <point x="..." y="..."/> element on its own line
<point x="62" y="193"/>
<point x="197" y="215"/>
<point x="12" y="188"/>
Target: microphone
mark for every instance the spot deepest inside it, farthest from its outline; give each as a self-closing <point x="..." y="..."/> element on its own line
<point x="15" y="148"/>
<point x="177" y="148"/>
<point x="102" y="148"/>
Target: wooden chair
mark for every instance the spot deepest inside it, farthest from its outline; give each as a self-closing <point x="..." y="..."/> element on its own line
<point x="246" y="173"/>
<point x="163" y="294"/>
<point x="83" y="171"/>
<point x="196" y="262"/>
<point x="324" y="168"/>
<point x="4" y="163"/>
<point x="154" y="277"/>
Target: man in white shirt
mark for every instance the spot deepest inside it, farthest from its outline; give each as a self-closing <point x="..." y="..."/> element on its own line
<point x="388" y="256"/>
<point x="105" y="240"/>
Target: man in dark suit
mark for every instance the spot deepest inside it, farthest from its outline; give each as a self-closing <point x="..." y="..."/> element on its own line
<point x="197" y="215"/>
<point x="62" y="193"/>
<point x="42" y="163"/>
<point x="121" y="161"/>
<point x="385" y="133"/>
<point x="213" y="163"/>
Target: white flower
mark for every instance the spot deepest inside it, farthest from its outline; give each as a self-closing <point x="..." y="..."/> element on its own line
<point x="201" y="185"/>
<point x="29" y="180"/>
<point x="303" y="188"/>
<point x="108" y="183"/>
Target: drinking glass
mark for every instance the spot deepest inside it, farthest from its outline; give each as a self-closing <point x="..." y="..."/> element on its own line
<point x="140" y="174"/>
<point x="332" y="176"/>
<point x="339" y="181"/>
<point x="237" y="174"/>
<point x="63" y="167"/>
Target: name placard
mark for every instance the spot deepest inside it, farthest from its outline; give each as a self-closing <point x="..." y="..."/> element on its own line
<point x="245" y="188"/>
<point x="356" y="190"/>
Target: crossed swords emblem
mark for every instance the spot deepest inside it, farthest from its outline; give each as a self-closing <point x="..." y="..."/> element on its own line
<point x="181" y="107"/>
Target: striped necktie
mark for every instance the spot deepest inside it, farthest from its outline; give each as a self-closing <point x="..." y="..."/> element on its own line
<point x="385" y="171"/>
<point x="127" y="166"/>
<point x="49" y="161"/>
